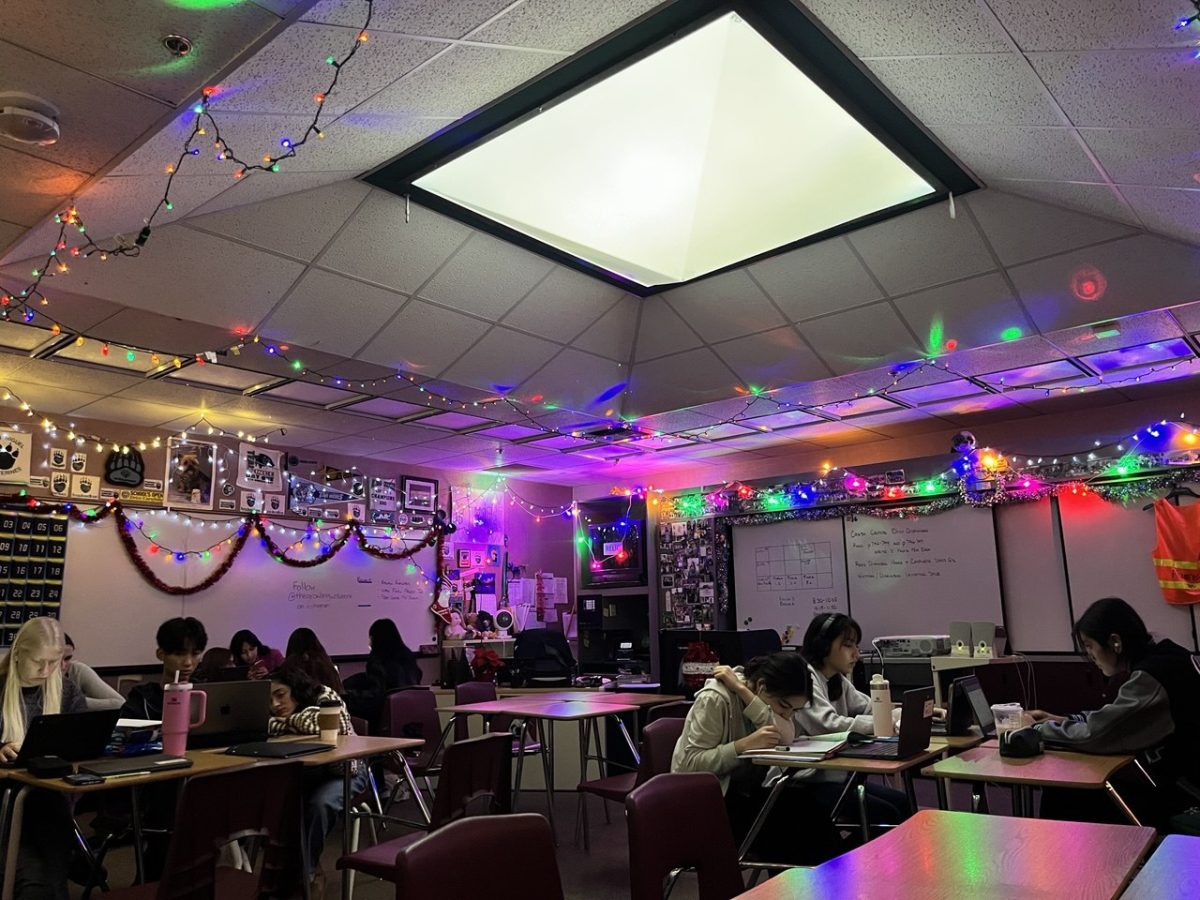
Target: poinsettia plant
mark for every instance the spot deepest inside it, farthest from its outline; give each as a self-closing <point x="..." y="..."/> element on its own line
<point x="485" y="663"/>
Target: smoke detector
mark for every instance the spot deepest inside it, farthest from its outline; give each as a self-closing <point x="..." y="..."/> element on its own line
<point x="27" y="119"/>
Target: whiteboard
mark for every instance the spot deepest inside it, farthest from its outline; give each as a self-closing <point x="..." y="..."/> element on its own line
<point x="1038" y="616"/>
<point x="112" y="613"/>
<point x="1108" y="555"/>
<point x="787" y="572"/>
<point x="917" y="575"/>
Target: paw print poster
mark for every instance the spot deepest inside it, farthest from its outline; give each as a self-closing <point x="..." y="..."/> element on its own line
<point x="124" y="468"/>
<point x="85" y="487"/>
<point x="14" y="458"/>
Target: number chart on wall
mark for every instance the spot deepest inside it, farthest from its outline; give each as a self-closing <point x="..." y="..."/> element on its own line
<point x="33" y="551"/>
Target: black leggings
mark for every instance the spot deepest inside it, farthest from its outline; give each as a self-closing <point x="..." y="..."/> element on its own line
<point x="797" y="831"/>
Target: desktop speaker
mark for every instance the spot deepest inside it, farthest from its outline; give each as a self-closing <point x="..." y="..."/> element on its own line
<point x="960" y="638"/>
<point x="983" y="639"/>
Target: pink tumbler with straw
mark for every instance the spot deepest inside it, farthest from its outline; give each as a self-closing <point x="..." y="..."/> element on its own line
<point x="177" y="715"/>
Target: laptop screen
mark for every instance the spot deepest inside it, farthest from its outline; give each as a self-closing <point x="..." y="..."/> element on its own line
<point x="979" y="704"/>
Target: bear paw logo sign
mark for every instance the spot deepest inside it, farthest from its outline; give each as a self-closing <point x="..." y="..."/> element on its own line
<point x="259" y="469"/>
<point x="124" y="468"/>
<point x="14" y="459"/>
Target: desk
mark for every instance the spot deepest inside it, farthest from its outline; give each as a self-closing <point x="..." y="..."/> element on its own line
<point x="939" y="855"/>
<point x="547" y="712"/>
<point x="1172" y="873"/>
<point x="1054" y="768"/>
<point x="630" y="698"/>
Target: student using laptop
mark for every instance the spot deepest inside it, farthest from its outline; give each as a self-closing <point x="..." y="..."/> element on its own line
<point x="295" y="705"/>
<point x="32" y="682"/>
<point x="98" y="693"/>
<point x="1154" y="715"/>
<point x="831" y="647"/>
<point x="181" y="643"/>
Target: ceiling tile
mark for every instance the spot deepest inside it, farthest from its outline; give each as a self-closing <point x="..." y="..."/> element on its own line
<point x="835" y="434"/>
<point x="101" y="354"/>
<point x="509" y="432"/>
<point x="1133" y="89"/>
<point x="1046" y="373"/>
<point x="563" y="305"/>
<point x="328" y="312"/>
<point x="34" y="189"/>
<point x="307" y="393"/>
<point x="973" y="312"/>
<point x="662" y="331"/>
<point x="438" y="18"/>
<point x="54" y="400"/>
<point x="1020" y="229"/>
<point x="353" y="446"/>
<point x="922" y="248"/>
<point x="933" y="393"/>
<point x="1095" y="199"/>
<point x="501" y="360"/>
<point x="666" y="442"/>
<point x="1170" y="212"/>
<point x="995" y="89"/>
<point x="1080" y="24"/>
<point x="98" y="118"/>
<point x="566" y="25"/>
<point x="1144" y="328"/>
<point x="1156" y="353"/>
<point x="723" y="306"/>
<point x="266" y="186"/>
<point x="613" y="335"/>
<point x="142" y="330"/>
<point x="486" y="277"/>
<point x="741" y="406"/>
<point x="783" y="420"/>
<point x="861" y="338"/>
<point x="1141" y="271"/>
<point x="581" y="381"/>
<point x="717" y="432"/>
<point x="222" y="376"/>
<point x="423" y="338"/>
<point x="173" y="393"/>
<point x="771" y="359"/>
<point x="563" y="442"/>
<point x="404" y="434"/>
<point x="1188" y="315"/>
<point x="130" y="412"/>
<point x="1165" y="157"/>
<point x="902" y="423"/>
<point x="977" y="411"/>
<point x="927" y="27"/>
<point x="408" y="253"/>
<point x="458" y="82"/>
<point x="675" y="382"/>
<point x="413" y="456"/>
<point x="1013" y="151"/>
<point x="860" y="406"/>
<point x="22" y="337"/>
<point x="677" y="421"/>
<point x="454" y="421"/>
<point x="297" y="225"/>
<point x="9" y="232"/>
<point x="820" y="278"/>
<point x="381" y="406"/>
<point x="461" y="443"/>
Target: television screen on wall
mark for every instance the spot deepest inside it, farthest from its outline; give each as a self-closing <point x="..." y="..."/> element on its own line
<point x="611" y="543"/>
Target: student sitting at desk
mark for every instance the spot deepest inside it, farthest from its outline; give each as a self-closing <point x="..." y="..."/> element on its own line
<point x="248" y="650"/>
<point x="1154" y="715"/>
<point x="831" y="647"/>
<point x="181" y="643"/>
<point x="295" y="706"/>
<point x="98" y="693"/>
<point x="304" y="646"/>
<point x="751" y="709"/>
<point x="32" y="683"/>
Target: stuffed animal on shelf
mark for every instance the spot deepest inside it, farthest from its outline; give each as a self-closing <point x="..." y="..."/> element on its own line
<point x="455" y="629"/>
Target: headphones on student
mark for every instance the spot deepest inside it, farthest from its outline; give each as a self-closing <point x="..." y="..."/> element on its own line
<point x="830" y="618"/>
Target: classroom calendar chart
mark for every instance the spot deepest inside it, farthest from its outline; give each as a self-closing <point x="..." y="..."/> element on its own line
<point x="33" y="550"/>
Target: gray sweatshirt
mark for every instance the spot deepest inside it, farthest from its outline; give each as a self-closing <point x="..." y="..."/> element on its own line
<point x="98" y="692"/>
<point x="849" y="712"/>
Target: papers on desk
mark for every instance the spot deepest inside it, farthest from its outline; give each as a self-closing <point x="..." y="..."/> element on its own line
<point x="805" y="749"/>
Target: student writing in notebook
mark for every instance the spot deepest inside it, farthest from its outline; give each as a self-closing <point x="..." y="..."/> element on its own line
<point x="32" y="682"/>
<point x="831" y="646"/>
<point x="1156" y="715"/>
<point x="739" y="710"/>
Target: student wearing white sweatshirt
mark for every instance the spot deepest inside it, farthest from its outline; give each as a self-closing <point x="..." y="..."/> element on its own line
<point x="835" y="704"/>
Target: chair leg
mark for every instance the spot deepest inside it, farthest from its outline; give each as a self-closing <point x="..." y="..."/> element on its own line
<point x="355" y="831"/>
<point x="95" y="878"/>
<point x="607" y="817"/>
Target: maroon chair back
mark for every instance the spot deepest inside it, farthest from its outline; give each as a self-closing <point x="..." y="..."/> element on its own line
<point x="360" y="726"/>
<point x="474" y="692"/>
<point x="433" y="868"/>
<point x="413" y="714"/>
<point x="658" y="843"/>
<point x="217" y="808"/>
<point x="658" y="744"/>
<point x="475" y="779"/>
<point x="676" y="709"/>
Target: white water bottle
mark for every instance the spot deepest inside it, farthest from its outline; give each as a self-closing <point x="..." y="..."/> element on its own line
<point x="881" y="705"/>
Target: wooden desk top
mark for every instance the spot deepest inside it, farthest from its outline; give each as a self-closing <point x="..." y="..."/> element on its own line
<point x="203" y="762"/>
<point x="630" y="698"/>
<point x="1054" y="768"/>
<point x="957" y="742"/>
<point x="1172" y="873"/>
<point x="357" y="746"/>
<point x="531" y="708"/>
<point x="852" y="764"/>
<point x="939" y="855"/>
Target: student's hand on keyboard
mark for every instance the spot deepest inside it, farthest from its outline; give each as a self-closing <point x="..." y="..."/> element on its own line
<point x="766" y="738"/>
<point x="8" y="752"/>
<point x="1036" y="716"/>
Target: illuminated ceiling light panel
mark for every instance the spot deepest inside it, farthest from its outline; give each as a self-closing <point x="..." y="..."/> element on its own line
<point x="712" y="150"/>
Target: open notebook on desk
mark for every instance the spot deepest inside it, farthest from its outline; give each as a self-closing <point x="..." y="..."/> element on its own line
<point x="808" y="748"/>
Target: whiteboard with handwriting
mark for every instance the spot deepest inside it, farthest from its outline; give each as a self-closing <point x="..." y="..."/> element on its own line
<point x="917" y="575"/>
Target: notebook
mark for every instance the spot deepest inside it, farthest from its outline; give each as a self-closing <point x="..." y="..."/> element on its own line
<point x="71" y="736"/>
<point x="809" y="748"/>
<point x="278" y="749"/>
<point x="916" y="722"/>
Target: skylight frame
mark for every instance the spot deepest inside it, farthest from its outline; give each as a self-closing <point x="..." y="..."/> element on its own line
<point x="789" y="30"/>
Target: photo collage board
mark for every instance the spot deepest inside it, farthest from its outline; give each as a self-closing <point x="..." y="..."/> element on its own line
<point x="691" y="593"/>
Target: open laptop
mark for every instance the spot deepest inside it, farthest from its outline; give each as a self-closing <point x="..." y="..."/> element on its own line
<point x="237" y="711"/>
<point x="968" y="706"/>
<point x="916" y="722"/>
<point x="70" y="736"/>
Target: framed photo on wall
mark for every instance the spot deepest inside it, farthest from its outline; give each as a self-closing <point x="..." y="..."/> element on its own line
<point x="420" y="494"/>
<point x="189" y="475"/>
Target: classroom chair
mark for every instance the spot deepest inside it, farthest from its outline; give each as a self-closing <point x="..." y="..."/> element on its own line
<point x="676" y="709"/>
<point x="414" y="714"/>
<point x="432" y="868"/>
<point x="542" y="658"/>
<point x="677" y="822"/>
<point x="483" y="692"/>
<point x="658" y="743"/>
<point x="217" y="809"/>
<point x="475" y="779"/>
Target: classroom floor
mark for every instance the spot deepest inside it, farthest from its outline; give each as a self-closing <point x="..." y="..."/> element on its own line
<point x="602" y="874"/>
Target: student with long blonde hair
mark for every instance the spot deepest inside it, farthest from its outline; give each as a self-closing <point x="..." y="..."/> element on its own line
<point x="32" y="683"/>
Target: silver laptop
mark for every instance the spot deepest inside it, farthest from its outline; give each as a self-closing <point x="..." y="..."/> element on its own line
<point x="237" y="712"/>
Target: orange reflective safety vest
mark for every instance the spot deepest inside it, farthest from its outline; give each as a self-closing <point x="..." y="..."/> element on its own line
<point x="1177" y="553"/>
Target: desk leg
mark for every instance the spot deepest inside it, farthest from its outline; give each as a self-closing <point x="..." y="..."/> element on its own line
<point x="761" y="819"/>
<point x="585" y="740"/>
<point x="910" y="790"/>
<point x="135" y="817"/>
<point x="347" y="830"/>
<point x="13" y="821"/>
<point x="860" y="792"/>
<point x="1121" y="804"/>
<point x="522" y="730"/>
<point x="546" y="729"/>
<point x="943" y="792"/>
<point x="628" y="740"/>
